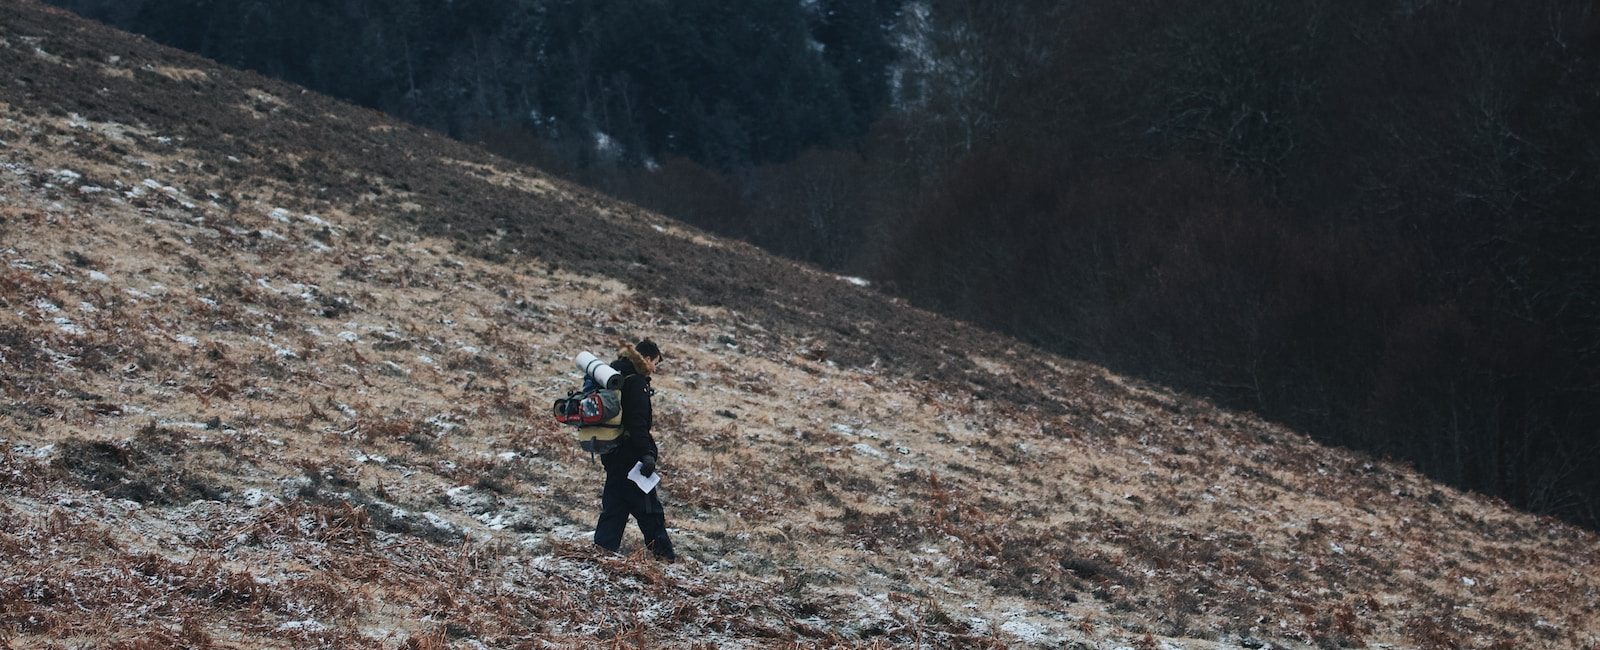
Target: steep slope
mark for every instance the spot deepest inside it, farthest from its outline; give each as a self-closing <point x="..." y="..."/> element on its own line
<point x="275" y="372"/>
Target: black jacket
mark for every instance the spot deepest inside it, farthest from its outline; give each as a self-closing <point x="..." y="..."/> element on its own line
<point x="637" y="418"/>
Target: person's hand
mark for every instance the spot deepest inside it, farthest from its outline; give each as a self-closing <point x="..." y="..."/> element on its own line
<point x="648" y="466"/>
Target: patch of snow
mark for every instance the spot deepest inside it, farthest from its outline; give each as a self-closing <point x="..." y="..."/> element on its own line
<point x="187" y="340"/>
<point x="58" y="359"/>
<point x="315" y="220"/>
<point x="868" y="450"/>
<point x="571" y="533"/>
<point x="255" y="498"/>
<point x="1026" y="632"/>
<point x="442" y="425"/>
<point x="268" y="234"/>
<point x="460" y="494"/>
<point x="349" y="336"/>
<point x="426" y="359"/>
<point x="66" y="175"/>
<point x="1336" y="548"/>
<point x="361" y="457"/>
<point x="494" y="521"/>
<point x="440" y="522"/>
<point x="279" y="214"/>
<point x="306" y="625"/>
<point x="604" y="143"/>
<point x="1468" y="581"/>
<point x="46" y="306"/>
<point x="66" y="325"/>
<point x="175" y="424"/>
<point x="860" y="282"/>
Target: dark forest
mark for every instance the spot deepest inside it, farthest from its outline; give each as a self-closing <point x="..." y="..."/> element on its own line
<point x="1373" y="221"/>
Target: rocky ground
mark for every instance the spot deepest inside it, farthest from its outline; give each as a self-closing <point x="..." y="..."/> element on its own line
<point x="276" y="373"/>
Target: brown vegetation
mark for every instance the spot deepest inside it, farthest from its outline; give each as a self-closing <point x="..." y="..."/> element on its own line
<point x="279" y="380"/>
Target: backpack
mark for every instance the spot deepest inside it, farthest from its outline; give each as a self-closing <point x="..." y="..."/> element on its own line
<point x="596" y="411"/>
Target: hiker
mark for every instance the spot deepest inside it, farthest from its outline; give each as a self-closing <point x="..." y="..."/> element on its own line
<point x="621" y="496"/>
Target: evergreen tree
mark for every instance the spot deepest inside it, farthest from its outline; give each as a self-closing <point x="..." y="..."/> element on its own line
<point x="621" y="80"/>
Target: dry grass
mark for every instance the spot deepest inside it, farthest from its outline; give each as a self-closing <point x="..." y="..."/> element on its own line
<point x="187" y="75"/>
<point x="252" y="398"/>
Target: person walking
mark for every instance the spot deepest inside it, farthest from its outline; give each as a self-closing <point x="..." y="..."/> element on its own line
<point x="622" y="497"/>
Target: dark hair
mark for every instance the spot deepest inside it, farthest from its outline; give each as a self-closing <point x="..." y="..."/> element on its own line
<point x="648" y="349"/>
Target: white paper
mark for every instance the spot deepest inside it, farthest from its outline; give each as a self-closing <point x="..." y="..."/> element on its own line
<point x="646" y="484"/>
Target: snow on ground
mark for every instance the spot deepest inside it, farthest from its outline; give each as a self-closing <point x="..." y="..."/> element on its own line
<point x="285" y="413"/>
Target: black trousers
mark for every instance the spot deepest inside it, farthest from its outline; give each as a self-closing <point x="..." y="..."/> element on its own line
<point x="621" y="498"/>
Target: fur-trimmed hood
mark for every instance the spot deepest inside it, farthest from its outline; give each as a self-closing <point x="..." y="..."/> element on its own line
<point x="626" y="352"/>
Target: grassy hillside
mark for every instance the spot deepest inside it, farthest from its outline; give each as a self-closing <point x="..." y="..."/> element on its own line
<point x="275" y="372"/>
